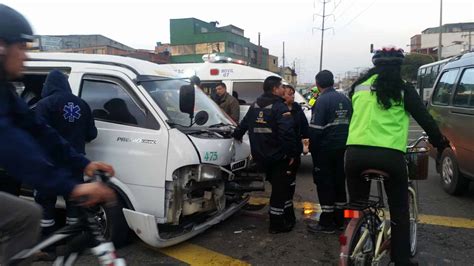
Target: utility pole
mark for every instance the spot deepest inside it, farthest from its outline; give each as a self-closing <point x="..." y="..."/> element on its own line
<point x="322" y="29"/>
<point x="440" y="44"/>
<point x="283" y="64"/>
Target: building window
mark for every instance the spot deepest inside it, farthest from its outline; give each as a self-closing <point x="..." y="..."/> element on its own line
<point x="208" y="48"/>
<point x="235" y="48"/>
<point x="183" y="49"/>
<point x="246" y="51"/>
<point x="204" y="30"/>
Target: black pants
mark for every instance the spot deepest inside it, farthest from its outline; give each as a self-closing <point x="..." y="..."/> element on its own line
<point x="330" y="180"/>
<point x="291" y="174"/>
<point x="360" y="158"/>
<point x="48" y="202"/>
<point x="276" y="175"/>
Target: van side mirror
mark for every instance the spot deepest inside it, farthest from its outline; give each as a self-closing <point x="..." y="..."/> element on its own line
<point x="187" y="100"/>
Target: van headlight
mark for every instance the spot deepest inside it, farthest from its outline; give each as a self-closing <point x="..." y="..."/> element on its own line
<point x="208" y="172"/>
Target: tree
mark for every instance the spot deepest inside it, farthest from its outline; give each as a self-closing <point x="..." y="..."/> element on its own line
<point x="412" y="62"/>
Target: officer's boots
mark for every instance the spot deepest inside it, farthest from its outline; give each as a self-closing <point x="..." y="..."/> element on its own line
<point x="278" y="224"/>
<point x="290" y="217"/>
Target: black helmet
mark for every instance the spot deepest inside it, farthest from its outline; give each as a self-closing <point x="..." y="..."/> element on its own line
<point x="388" y="56"/>
<point x="14" y="27"/>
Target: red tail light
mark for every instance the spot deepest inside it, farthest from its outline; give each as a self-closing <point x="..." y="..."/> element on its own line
<point x="214" y="72"/>
<point x="351" y="214"/>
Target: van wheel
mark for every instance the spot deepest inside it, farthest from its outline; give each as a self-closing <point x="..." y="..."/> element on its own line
<point x="113" y="223"/>
<point x="451" y="179"/>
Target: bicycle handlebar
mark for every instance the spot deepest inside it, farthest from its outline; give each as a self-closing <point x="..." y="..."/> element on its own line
<point x="412" y="147"/>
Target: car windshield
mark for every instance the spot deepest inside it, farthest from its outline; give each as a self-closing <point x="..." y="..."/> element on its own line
<point x="166" y="94"/>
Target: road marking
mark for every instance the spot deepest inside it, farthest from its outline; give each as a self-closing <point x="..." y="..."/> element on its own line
<point x="447" y="221"/>
<point x="196" y="255"/>
<point x="456" y="222"/>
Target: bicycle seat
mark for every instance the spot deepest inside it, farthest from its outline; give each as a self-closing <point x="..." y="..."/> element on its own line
<point x="374" y="174"/>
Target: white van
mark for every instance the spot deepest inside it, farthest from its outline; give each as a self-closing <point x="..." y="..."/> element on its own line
<point x="245" y="81"/>
<point x="177" y="167"/>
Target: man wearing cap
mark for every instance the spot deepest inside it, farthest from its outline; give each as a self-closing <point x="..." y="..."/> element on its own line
<point x="328" y="130"/>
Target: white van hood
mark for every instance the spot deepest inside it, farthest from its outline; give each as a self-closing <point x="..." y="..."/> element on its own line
<point x="220" y="151"/>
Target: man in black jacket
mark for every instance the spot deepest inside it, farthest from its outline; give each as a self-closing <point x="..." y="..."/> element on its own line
<point x="272" y="140"/>
<point x="28" y="146"/>
<point x="328" y="132"/>
<point x="72" y="118"/>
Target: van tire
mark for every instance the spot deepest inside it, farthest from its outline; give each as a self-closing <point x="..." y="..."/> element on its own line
<point x="452" y="180"/>
<point x="117" y="229"/>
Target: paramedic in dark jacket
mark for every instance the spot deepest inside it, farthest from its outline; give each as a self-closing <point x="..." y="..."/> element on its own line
<point x="301" y="133"/>
<point x="72" y="119"/>
<point x="329" y="128"/>
<point x="272" y="142"/>
<point x="28" y="145"/>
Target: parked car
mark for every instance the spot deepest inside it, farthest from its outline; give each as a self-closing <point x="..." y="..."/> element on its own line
<point x="178" y="170"/>
<point x="452" y="106"/>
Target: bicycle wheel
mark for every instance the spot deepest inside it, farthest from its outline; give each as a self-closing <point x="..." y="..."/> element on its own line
<point x="358" y="247"/>
<point x="413" y="208"/>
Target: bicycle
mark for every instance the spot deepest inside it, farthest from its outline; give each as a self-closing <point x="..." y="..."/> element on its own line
<point x="87" y="232"/>
<point x="366" y="239"/>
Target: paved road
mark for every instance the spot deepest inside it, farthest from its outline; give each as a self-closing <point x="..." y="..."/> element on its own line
<point x="243" y="238"/>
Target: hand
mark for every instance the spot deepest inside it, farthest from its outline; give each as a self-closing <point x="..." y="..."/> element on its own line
<point x="94" y="166"/>
<point x="93" y="193"/>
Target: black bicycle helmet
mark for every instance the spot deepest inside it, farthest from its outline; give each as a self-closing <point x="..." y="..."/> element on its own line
<point x="388" y="56"/>
<point x="14" y="27"/>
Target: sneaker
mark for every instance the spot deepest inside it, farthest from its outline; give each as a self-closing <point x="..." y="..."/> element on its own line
<point x="317" y="228"/>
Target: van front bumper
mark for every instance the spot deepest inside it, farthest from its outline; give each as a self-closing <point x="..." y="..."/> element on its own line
<point x="146" y="227"/>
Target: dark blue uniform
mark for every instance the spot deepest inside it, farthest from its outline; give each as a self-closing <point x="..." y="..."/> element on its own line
<point x="72" y="118"/>
<point x="272" y="142"/>
<point x="301" y="132"/>
<point x="329" y="129"/>
<point x="28" y="147"/>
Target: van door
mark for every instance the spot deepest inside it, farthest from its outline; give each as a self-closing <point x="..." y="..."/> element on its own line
<point x="462" y="120"/>
<point x="130" y="138"/>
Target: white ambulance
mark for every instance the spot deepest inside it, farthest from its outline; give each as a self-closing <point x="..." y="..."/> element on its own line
<point x="242" y="81"/>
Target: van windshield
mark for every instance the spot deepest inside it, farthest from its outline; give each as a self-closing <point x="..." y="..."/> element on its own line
<point x="166" y="94"/>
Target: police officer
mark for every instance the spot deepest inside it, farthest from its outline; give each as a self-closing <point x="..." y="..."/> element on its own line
<point x="71" y="117"/>
<point x="272" y="139"/>
<point x="301" y="133"/>
<point x="314" y="96"/>
<point x="328" y="134"/>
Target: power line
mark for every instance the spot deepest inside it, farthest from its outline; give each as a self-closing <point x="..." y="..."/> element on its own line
<point x="358" y="15"/>
<point x="347" y="8"/>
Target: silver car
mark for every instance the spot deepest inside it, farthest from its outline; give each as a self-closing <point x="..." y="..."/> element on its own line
<point x="452" y="106"/>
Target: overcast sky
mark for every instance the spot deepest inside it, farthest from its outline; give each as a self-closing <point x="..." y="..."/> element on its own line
<point x="355" y="24"/>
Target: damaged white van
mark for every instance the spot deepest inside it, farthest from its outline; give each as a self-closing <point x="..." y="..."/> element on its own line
<point x="178" y="170"/>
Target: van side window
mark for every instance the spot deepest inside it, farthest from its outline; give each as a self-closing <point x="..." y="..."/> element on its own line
<point x="248" y="92"/>
<point x="444" y="88"/>
<point x="110" y="102"/>
<point x="464" y="91"/>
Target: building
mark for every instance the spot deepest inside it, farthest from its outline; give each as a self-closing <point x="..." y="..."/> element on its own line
<point x="289" y="74"/>
<point x="191" y="38"/>
<point x="95" y="44"/>
<point x="457" y="38"/>
<point x="273" y="64"/>
<point x="415" y="43"/>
